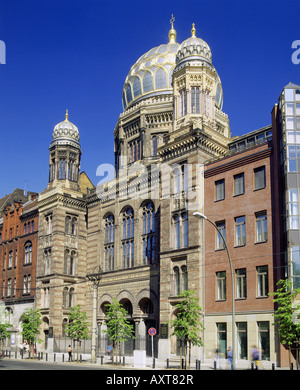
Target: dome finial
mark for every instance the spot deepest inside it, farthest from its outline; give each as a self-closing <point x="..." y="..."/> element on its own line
<point x="67" y="115"/>
<point x="172" y="32"/>
<point x="193" y="31"/>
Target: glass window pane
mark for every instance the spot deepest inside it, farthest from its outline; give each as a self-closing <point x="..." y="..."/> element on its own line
<point x="136" y="87"/>
<point x="289" y="95"/>
<point x="289" y="107"/>
<point x="147" y="82"/>
<point x="290" y="137"/>
<point x="290" y="123"/>
<point x="160" y="79"/>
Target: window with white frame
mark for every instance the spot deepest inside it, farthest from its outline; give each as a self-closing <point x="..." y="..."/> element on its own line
<point x="262" y="281"/>
<point x="240" y="231"/>
<point x="239" y="184"/>
<point x="241" y="283"/>
<point x="221" y="285"/>
<point x="222" y="231"/>
<point x="28" y="253"/>
<point x="261" y="226"/>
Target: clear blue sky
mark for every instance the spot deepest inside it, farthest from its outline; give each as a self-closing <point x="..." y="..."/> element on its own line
<point x="75" y="55"/>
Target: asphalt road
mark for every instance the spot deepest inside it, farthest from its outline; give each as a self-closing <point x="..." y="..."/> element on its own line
<point x="26" y="364"/>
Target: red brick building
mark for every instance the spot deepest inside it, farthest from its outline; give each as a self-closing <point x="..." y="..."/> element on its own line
<point x="238" y="200"/>
<point x="18" y="255"/>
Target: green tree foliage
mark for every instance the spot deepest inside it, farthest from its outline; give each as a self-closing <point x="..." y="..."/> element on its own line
<point x="187" y="325"/>
<point x="118" y="327"/>
<point x="31" y="321"/>
<point x="78" y="327"/>
<point x="285" y="298"/>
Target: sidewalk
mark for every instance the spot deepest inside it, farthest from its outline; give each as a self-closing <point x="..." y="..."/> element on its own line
<point x="127" y="362"/>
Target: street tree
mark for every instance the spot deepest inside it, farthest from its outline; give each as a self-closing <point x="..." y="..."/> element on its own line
<point x="188" y="326"/>
<point x="118" y="327"/>
<point x="288" y="328"/>
<point x="31" y="321"/>
<point x="78" y="327"/>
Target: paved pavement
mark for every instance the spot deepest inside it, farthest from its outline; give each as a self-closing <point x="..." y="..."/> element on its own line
<point x="59" y="361"/>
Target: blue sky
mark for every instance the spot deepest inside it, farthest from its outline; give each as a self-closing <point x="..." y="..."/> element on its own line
<point x="75" y="55"/>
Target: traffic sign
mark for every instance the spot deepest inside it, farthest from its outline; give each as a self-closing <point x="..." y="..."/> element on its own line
<point x="152" y="331"/>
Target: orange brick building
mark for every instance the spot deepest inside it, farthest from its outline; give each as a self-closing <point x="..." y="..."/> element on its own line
<point x="238" y="200"/>
<point x="18" y="255"/>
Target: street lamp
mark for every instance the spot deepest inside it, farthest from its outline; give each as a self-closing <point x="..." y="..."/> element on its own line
<point x="202" y="216"/>
<point x="95" y="278"/>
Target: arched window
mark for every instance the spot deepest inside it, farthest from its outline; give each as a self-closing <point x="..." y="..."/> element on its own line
<point x="180" y="279"/>
<point x="71" y="297"/>
<point x="47" y="261"/>
<point x="68" y="225"/>
<point x="109" y="242"/>
<point x="181" y="230"/>
<point x="184" y="277"/>
<point x="69" y="262"/>
<point x="160" y="79"/>
<point x="71" y="225"/>
<point x="148" y="236"/>
<point x="28" y="253"/>
<point x="74" y="226"/>
<point x="128" y="93"/>
<point x="154" y="145"/>
<point x="147" y="82"/>
<point x="62" y="169"/>
<point x="128" y="238"/>
<point x="65" y="297"/>
<point x="137" y="87"/>
<point x="176" y="278"/>
<point x="68" y="297"/>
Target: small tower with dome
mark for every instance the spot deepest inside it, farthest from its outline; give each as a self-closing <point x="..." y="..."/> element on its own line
<point x="65" y="154"/>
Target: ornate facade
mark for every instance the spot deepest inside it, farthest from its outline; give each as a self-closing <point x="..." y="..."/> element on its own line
<point x="137" y="230"/>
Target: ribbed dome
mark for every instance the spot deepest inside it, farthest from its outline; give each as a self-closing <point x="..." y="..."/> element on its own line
<point x="65" y="132"/>
<point x="193" y="47"/>
<point x="151" y="74"/>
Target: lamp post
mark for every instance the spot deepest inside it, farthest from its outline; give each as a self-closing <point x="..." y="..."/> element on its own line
<point x="202" y="216"/>
<point x="95" y="278"/>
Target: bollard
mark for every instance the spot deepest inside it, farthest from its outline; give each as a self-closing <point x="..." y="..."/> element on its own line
<point x="123" y="360"/>
<point x="16" y="354"/>
<point x="54" y="356"/>
<point x="39" y="356"/>
<point x="46" y="356"/>
<point x="101" y="359"/>
<point x="168" y="363"/>
<point x="80" y="358"/>
<point x="199" y="364"/>
<point x="22" y="354"/>
<point x="153" y="364"/>
<point x="273" y="366"/>
<point x="215" y="365"/>
<point x="63" y="357"/>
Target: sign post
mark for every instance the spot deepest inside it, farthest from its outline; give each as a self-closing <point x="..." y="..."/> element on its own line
<point x="152" y="332"/>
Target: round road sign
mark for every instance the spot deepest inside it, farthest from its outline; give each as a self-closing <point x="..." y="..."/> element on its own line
<point x="152" y="331"/>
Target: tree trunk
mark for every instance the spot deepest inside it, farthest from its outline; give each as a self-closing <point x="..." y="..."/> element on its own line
<point x="185" y="353"/>
<point x="181" y="365"/>
<point x="190" y="352"/>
